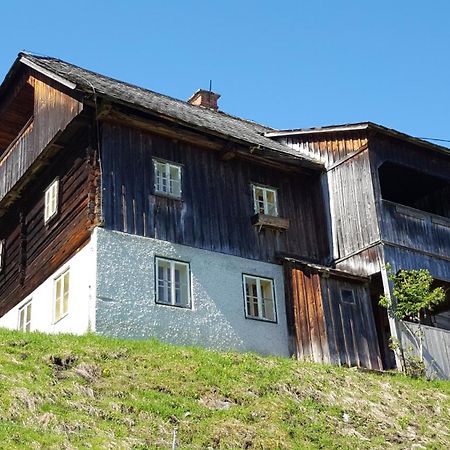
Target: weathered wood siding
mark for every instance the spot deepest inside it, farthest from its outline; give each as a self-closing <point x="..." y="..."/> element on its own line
<point x="217" y="205"/>
<point x="404" y="258"/>
<point x="326" y="329"/>
<point x="309" y="333"/>
<point x="402" y="225"/>
<point x="419" y="230"/>
<point x="351" y="196"/>
<point x="330" y="149"/>
<point x="352" y="204"/>
<point x="351" y="332"/>
<point x="53" y="111"/>
<point x="34" y="250"/>
<point x="436" y="345"/>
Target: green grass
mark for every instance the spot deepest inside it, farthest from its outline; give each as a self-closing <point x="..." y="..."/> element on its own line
<point x="64" y="392"/>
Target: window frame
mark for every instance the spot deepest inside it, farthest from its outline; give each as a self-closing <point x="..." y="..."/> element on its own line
<point x="55" y="184"/>
<point x="168" y="165"/>
<point x="63" y="314"/>
<point x="259" y="317"/>
<point x="265" y="190"/>
<point x="24" y="308"/>
<point x="345" y="302"/>
<point x="172" y="262"/>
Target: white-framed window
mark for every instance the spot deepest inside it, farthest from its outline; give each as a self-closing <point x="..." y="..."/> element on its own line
<point x="61" y="288"/>
<point x="167" y="178"/>
<point x="265" y="200"/>
<point x="173" y="282"/>
<point x="25" y="317"/>
<point x="51" y="201"/>
<point x="2" y="254"/>
<point x="259" y="298"/>
<point x="348" y="296"/>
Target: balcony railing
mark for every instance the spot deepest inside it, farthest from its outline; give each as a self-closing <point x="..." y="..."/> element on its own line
<point x="416" y="229"/>
<point x="16" y="159"/>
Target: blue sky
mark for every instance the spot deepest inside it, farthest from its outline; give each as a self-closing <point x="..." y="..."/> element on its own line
<point x="287" y="64"/>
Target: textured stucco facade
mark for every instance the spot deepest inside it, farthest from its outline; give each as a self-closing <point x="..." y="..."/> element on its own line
<point x="126" y="296"/>
<point x="81" y="310"/>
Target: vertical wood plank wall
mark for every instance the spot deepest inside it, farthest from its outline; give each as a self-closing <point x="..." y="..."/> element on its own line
<point x="310" y="332"/>
<point x="352" y="203"/>
<point x="326" y="329"/>
<point x="216" y="206"/>
<point x="53" y="111"/>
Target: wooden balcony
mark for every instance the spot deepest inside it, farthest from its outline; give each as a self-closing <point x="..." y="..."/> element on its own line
<point x="415" y="229"/>
<point x="17" y="158"/>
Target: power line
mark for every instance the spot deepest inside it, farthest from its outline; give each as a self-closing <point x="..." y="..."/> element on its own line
<point x="434" y="139"/>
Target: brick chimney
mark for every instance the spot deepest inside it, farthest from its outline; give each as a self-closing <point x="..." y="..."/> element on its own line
<point x="204" y="98"/>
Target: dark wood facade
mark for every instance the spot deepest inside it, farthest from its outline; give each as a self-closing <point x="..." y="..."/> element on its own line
<point x="216" y="208"/>
<point x="326" y="328"/>
<point x="48" y="144"/>
<point x="34" y="250"/>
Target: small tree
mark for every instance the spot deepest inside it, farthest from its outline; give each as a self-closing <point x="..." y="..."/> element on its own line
<point x="413" y="297"/>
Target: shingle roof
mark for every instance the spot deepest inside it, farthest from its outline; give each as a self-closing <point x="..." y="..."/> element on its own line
<point x="209" y="120"/>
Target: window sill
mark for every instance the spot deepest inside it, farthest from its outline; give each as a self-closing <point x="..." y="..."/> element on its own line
<point x="260" y="319"/>
<point x="174" y="306"/>
<point x="61" y="318"/>
<point x="264" y="220"/>
<point x="165" y="195"/>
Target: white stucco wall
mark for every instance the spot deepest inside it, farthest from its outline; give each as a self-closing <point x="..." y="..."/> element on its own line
<point x="126" y="297"/>
<point x="80" y="317"/>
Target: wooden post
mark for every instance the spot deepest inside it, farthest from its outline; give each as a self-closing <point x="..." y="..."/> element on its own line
<point x="393" y="322"/>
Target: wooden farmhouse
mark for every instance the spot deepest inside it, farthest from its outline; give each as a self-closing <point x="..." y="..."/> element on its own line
<point x="129" y="213"/>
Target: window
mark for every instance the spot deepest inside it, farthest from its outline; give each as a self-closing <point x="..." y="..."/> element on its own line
<point x="348" y="296"/>
<point x="265" y="200"/>
<point x="61" y="296"/>
<point x="2" y="254"/>
<point x="172" y="283"/>
<point x="167" y="178"/>
<point x="25" y="317"/>
<point x="259" y="298"/>
<point x="51" y="201"/>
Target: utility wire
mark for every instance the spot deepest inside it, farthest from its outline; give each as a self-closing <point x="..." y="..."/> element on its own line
<point x="434" y="139"/>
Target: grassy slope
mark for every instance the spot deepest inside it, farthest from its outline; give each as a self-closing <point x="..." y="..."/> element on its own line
<point x="92" y="392"/>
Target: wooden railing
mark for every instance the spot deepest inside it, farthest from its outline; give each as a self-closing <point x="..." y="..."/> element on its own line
<point x="416" y="229"/>
<point x="436" y="347"/>
<point x="16" y="159"/>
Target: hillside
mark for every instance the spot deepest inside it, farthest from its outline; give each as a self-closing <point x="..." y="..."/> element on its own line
<point x="66" y="392"/>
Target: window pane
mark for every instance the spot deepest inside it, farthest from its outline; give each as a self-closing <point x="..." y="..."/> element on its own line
<point x="164" y="281"/>
<point x="21" y="319"/>
<point x="66" y="294"/>
<point x="348" y="296"/>
<point x="29" y="312"/>
<point x="181" y="285"/>
<point x="252" y="297"/>
<point x="58" y="299"/>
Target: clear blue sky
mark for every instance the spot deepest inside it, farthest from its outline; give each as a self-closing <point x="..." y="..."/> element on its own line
<point x="287" y="64"/>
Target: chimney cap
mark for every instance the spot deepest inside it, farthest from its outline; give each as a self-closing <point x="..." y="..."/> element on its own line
<point x="205" y="98"/>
